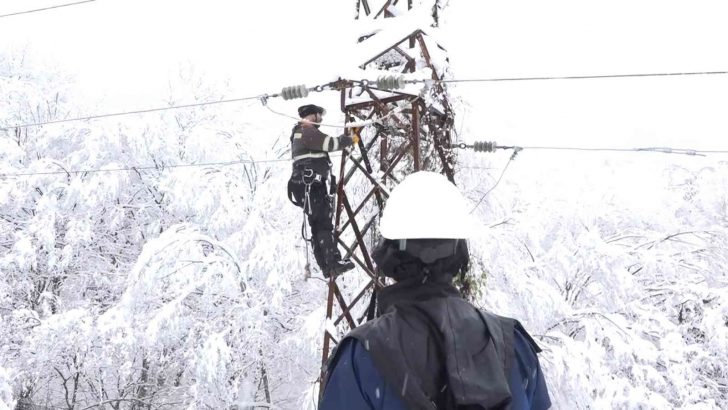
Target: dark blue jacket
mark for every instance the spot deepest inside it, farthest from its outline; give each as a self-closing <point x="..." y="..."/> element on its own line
<point x="355" y="384"/>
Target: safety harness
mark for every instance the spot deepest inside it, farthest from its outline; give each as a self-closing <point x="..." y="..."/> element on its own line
<point x="305" y="178"/>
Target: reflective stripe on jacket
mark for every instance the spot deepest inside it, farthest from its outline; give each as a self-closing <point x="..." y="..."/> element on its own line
<point x="308" y="141"/>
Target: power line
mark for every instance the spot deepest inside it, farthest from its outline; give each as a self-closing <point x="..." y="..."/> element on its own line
<point x="229" y="163"/>
<point x="144" y="167"/>
<point x="147" y="167"/>
<point x="663" y="150"/>
<point x="513" y="156"/>
<point x="354" y="124"/>
<point x="488" y="146"/>
<point x="713" y="151"/>
<point x="144" y="111"/>
<point x="47" y="8"/>
<point x="491" y="147"/>
<point x="264" y="97"/>
<point x="311" y="122"/>
<point x="285" y="94"/>
<point x="578" y="77"/>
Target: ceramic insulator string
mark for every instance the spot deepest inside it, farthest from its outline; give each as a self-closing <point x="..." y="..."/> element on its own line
<point x="391" y="82"/>
<point x="295" y="91"/>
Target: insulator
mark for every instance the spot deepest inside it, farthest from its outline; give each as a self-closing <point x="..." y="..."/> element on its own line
<point x="484" y="146"/>
<point x="294" y="91"/>
<point x="391" y="82"/>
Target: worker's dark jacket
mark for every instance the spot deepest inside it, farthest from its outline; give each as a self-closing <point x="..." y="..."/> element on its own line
<point x="310" y="146"/>
<point x="431" y="349"/>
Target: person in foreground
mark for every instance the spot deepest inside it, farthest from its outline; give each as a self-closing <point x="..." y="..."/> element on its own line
<point x="429" y="348"/>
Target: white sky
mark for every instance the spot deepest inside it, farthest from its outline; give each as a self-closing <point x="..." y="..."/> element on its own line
<point x="125" y="52"/>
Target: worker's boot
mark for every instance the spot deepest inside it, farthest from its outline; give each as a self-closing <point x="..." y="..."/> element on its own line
<point x="336" y="265"/>
<point x="336" y="268"/>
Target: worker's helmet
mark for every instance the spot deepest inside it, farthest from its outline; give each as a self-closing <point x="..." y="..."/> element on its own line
<point x="309" y="109"/>
<point x="426" y="221"/>
<point x="425" y="205"/>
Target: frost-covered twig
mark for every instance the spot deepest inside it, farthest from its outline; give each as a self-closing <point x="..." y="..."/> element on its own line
<point x="116" y="401"/>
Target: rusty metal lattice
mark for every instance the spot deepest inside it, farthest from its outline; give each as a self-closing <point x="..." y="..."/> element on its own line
<point x="411" y="132"/>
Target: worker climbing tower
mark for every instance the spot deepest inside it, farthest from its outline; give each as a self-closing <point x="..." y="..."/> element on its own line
<point x="411" y="126"/>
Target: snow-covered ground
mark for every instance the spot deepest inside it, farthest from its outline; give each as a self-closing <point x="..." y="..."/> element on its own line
<point x="185" y="287"/>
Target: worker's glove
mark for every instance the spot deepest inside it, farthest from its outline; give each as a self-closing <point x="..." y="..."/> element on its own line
<point x="345" y="141"/>
<point x="355" y="135"/>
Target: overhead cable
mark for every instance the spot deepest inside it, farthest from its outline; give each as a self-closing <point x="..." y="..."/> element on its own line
<point x="46" y="8"/>
<point x="301" y="91"/>
<point x="488" y="146"/>
<point x="143" y="167"/>
<point x="147" y="167"/>
<point x="575" y="77"/>
<point x="513" y="156"/>
<point x="116" y="114"/>
<point x="287" y="93"/>
<point x="663" y="150"/>
<point x="353" y="124"/>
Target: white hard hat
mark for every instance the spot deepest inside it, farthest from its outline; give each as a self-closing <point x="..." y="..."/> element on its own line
<point x="427" y="206"/>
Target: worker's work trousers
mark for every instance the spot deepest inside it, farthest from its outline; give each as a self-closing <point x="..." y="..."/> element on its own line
<point x="320" y="212"/>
